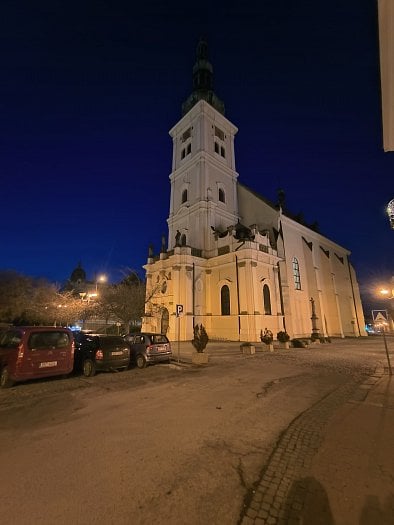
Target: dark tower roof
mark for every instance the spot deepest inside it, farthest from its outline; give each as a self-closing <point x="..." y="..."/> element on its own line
<point x="78" y="274"/>
<point x="202" y="82"/>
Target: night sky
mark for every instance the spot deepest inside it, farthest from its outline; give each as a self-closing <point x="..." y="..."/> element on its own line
<point x="89" y="91"/>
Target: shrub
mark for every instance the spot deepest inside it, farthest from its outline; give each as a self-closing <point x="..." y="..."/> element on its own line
<point x="200" y="339"/>
<point x="267" y="336"/>
<point x="299" y="343"/>
<point x="283" y="337"/>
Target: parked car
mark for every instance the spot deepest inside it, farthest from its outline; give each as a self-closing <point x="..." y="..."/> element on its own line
<point x="148" y="348"/>
<point x="100" y="352"/>
<point x="32" y="352"/>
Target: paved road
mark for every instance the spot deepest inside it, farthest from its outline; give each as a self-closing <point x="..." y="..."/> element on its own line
<point x="218" y="444"/>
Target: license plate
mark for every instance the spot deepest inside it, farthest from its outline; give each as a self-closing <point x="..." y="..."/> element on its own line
<point x="161" y="348"/>
<point x="48" y="364"/>
<point x="117" y="353"/>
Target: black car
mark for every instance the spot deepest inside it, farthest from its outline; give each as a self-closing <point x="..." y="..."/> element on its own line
<point x="148" y="348"/>
<point x="99" y="352"/>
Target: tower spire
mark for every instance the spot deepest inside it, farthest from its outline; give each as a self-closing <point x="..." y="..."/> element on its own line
<point x="202" y="81"/>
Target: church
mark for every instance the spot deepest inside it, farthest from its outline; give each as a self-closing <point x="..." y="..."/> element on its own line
<point x="235" y="262"/>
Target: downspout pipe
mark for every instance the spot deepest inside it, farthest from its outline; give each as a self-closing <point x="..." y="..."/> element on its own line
<point x="193" y="294"/>
<point x="237" y="280"/>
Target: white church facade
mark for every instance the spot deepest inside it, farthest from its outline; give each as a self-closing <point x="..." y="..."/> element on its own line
<point x="236" y="263"/>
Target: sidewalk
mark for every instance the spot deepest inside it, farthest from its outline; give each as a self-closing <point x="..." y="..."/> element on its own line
<point x="351" y="478"/>
<point x="336" y="473"/>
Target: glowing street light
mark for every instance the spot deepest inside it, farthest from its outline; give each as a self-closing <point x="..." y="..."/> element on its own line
<point x="385" y="292"/>
<point x="100" y="279"/>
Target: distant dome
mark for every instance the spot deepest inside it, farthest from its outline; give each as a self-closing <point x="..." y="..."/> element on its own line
<point x="78" y="275"/>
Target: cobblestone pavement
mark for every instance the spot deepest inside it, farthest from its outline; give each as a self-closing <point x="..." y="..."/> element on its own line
<point x="278" y="497"/>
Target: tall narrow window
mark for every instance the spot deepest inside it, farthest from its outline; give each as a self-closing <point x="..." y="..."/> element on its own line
<point x="222" y="196"/>
<point x="225" y="300"/>
<point x="267" y="300"/>
<point x="184" y="196"/>
<point x="216" y="147"/>
<point x="187" y="134"/>
<point x="296" y="274"/>
<point x="219" y="133"/>
<point x="188" y="149"/>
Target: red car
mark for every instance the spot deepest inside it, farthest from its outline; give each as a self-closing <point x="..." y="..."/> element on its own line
<point x="32" y="352"/>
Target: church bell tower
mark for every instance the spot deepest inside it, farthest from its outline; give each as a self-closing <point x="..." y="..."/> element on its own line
<point x="203" y="178"/>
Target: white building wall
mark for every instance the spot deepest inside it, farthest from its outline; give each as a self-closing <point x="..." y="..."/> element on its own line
<point x="212" y="256"/>
<point x="386" y="48"/>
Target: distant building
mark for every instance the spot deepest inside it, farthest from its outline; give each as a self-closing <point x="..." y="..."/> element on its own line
<point x="79" y="285"/>
<point x="236" y="262"/>
<point x="88" y="292"/>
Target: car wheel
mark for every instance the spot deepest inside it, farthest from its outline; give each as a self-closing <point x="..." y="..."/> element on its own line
<point x="140" y="361"/>
<point x="88" y="368"/>
<point x="5" y="381"/>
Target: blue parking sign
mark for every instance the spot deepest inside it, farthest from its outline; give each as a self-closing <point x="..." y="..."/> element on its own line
<point x="179" y="310"/>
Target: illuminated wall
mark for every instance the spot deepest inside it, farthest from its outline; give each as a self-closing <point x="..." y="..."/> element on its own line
<point x="386" y="44"/>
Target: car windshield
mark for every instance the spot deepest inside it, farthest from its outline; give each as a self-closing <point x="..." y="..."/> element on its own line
<point x="10" y="339"/>
<point x="159" y="339"/>
<point x="52" y="339"/>
<point x="111" y="342"/>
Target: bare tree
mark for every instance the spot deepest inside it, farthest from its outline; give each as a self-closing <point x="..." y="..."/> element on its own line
<point x="24" y="299"/>
<point x="125" y="301"/>
<point x="29" y="300"/>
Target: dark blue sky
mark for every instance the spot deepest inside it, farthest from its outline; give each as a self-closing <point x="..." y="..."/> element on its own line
<point x="89" y="91"/>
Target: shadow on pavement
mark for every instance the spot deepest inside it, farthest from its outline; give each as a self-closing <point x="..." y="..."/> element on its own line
<point x="307" y="503"/>
<point x="373" y="514"/>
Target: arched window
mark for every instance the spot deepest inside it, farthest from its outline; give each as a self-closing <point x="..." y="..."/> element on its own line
<point x="184" y="196"/>
<point x="296" y="274"/>
<point x="183" y="240"/>
<point x="267" y="300"/>
<point x="225" y="300"/>
<point x="222" y="195"/>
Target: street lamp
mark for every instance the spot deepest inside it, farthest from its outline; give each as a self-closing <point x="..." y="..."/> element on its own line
<point x="385" y="292"/>
<point x="100" y="279"/>
<point x="390" y="212"/>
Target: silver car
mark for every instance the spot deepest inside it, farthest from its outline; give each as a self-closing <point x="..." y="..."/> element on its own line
<point x="146" y="348"/>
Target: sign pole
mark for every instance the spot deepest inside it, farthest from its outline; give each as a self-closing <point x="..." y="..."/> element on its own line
<point x="179" y="312"/>
<point x="179" y="331"/>
<point x="382" y="318"/>
<point x="387" y="351"/>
